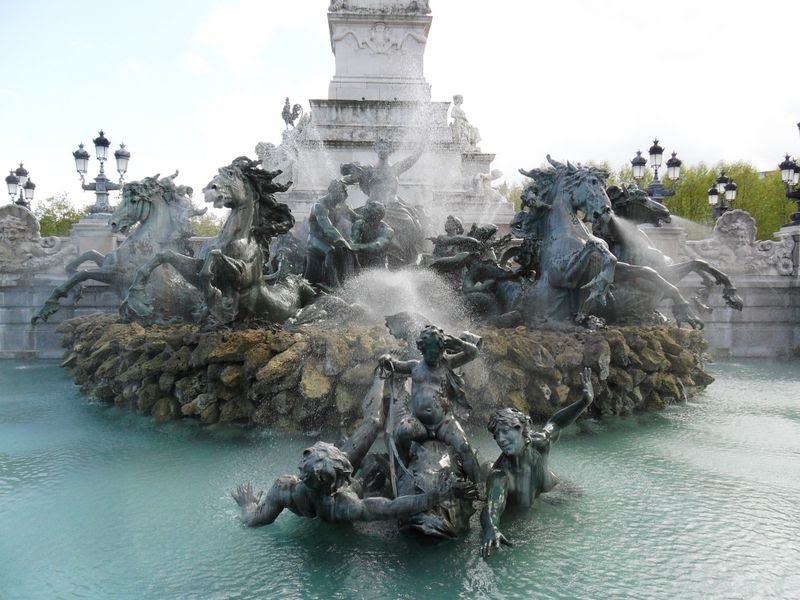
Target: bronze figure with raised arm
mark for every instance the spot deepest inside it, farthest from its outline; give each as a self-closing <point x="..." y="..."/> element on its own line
<point x="435" y="387"/>
<point x="522" y="473"/>
<point x="326" y="487"/>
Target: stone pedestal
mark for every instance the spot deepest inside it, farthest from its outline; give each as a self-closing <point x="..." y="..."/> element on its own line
<point x="379" y="53"/>
<point x="379" y="91"/>
<point x="668" y="238"/>
<point x="92" y="232"/>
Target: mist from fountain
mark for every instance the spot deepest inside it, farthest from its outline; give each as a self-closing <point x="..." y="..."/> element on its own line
<point x="383" y="293"/>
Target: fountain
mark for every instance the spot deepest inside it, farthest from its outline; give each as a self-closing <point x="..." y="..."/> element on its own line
<point x="561" y="322"/>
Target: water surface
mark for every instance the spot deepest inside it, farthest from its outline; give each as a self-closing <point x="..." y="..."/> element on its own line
<point x="699" y="501"/>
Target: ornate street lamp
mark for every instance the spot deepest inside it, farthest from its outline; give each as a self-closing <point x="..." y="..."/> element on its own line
<point x="790" y="175"/>
<point x="656" y="190"/>
<point x="722" y="195"/>
<point x="102" y="184"/>
<point x="18" y="180"/>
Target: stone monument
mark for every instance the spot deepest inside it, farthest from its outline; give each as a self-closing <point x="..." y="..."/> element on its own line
<point x="379" y="91"/>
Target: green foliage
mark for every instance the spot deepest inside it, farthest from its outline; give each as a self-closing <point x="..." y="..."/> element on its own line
<point x="512" y="193"/>
<point x="207" y="225"/>
<point x="762" y="196"/>
<point x="57" y="215"/>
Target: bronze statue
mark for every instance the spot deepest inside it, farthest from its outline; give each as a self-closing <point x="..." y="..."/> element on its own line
<point x="327" y="489"/>
<point x="632" y="245"/>
<point x="435" y="390"/>
<point x="329" y="258"/>
<point x="228" y="269"/>
<point x="578" y="270"/>
<point x="371" y="236"/>
<point x="290" y="113"/>
<point x="159" y="214"/>
<point x="521" y="472"/>
<point x="379" y="183"/>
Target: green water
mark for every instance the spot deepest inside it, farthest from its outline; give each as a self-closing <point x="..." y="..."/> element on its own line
<point x="700" y="501"/>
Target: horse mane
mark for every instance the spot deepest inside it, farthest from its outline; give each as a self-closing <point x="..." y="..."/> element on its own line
<point x="271" y="218"/>
<point x="539" y="192"/>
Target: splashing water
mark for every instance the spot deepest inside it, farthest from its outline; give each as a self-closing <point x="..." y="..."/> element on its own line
<point x="694" y="230"/>
<point x="385" y="293"/>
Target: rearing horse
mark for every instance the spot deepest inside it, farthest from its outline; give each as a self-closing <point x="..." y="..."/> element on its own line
<point x="576" y="268"/>
<point x="157" y="214"/>
<point x="632" y="245"/>
<point x="228" y="269"/>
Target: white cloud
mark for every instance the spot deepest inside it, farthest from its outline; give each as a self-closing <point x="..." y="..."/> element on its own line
<point x="241" y="32"/>
<point x="194" y="63"/>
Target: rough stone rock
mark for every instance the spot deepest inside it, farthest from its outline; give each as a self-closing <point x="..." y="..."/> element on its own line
<point x="597" y="355"/>
<point x="255" y="358"/>
<point x="232" y="376"/>
<point x="314" y="385"/>
<point x="165" y="409"/>
<point x="178" y="361"/>
<point x="315" y="377"/>
<point x="284" y="363"/>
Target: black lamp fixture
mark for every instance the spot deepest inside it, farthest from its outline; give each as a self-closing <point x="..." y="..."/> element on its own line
<point x="101" y="185"/>
<point x="656" y="190"/>
<point x="18" y="181"/>
<point x="722" y="195"/>
<point x="790" y="175"/>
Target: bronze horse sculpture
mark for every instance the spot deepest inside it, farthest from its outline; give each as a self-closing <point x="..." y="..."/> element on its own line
<point x="631" y="244"/>
<point x="632" y="203"/>
<point x="577" y="274"/>
<point x="157" y="216"/>
<point x="228" y="269"/>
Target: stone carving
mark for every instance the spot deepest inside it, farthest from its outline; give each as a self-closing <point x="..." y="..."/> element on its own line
<point x="228" y="269"/>
<point x="161" y="213"/>
<point x="482" y="186"/>
<point x="465" y="134"/>
<point x="382" y="39"/>
<point x="22" y="249"/>
<point x="380" y="6"/>
<point x="521" y="473"/>
<point x="734" y="247"/>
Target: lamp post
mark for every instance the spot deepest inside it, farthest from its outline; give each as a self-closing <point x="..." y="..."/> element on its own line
<point x="102" y="184"/>
<point x="18" y="180"/>
<point x="790" y="175"/>
<point x="656" y="190"/>
<point x="724" y="189"/>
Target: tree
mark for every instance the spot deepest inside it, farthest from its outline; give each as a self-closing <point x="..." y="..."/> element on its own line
<point x="512" y="193"/>
<point x="57" y="215"/>
<point x="207" y="225"/>
<point x="762" y="195"/>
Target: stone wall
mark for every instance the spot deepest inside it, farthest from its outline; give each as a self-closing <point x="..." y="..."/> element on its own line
<point x="21" y="296"/>
<point x="768" y="326"/>
<point x="312" y="378"/>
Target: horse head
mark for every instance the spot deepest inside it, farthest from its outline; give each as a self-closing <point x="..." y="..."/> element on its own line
<point x="634" y="204"/>
<point x="136" y="204"/>
<point x="229" y="188"/>
<point x="582" y="186"/>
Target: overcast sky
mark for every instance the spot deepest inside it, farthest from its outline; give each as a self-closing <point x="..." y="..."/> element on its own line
<point x="190" y="85"/>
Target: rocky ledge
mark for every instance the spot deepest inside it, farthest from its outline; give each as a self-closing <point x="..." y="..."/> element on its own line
<point x="311" y="378"/>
